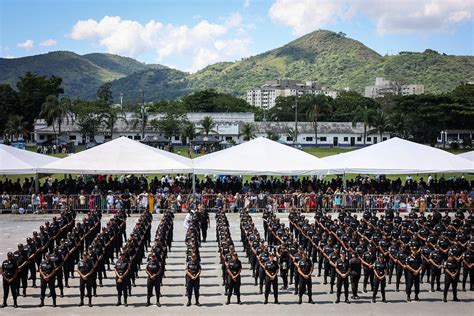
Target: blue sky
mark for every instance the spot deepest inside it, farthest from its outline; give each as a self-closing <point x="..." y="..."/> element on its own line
<point x="190" y="34"/>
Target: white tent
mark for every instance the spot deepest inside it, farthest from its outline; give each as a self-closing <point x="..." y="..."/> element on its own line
<point x="260" y="156"/>
<point x="121" y="156"/>
<point x="19" y="161"/>
<point x="399" y="156"/>
<point x="469" y="155"/>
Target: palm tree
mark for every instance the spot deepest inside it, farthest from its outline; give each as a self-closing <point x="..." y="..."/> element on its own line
<point x="313" y="114"/>
<point x="273" y="136"/>
<point x="56" y="111"/>
<point x="140" y="119"/>
<point x="188" y="132"/>
<point x="292" y="133"/>
<point x="207" y="126"/>
<point x="398" y="121"/>
<point x="112" y="116"/>
<point x="16" y="126"/>
<point x="381" y="124"/>
<point x="248" y="131"/>
<point x="364" y="114"/>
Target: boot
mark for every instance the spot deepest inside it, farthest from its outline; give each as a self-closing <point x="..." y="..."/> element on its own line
<point x="147" y="303"/>
<point x="310" y="300"/>
<point x="118" y="303"/>
<point x="4" y="304"/>
<point x="198" y="304"/>
<point x="125" y="303"/>
<point x="158" y="303"/>
<point x="445" y="299"/>
<point x="81" y="303"/>
<point x="238" y="300"/>
<point x="54" y="302"/>
<point x="338" y="299"/>
<point x="300" y="300"/>
<point x="416" y="298"/>
<point x="41" y="303"/>
<point x="62" y="293"/>
<point x="90" y="302"/>
<point x="189" y="302"/>
<point x="408" y="298"/>
<point x="266" y="301"/>
<point x="24" y="292"/>
<point x="228" y="300"/>
<point x="15" y="305"/>
<point x="332" y="289"/>
<point x="347" y="300"/>
<point x="456" y="299"/>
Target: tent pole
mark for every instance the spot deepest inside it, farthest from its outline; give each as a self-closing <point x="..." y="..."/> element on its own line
<point x="344" y="181"/>
<point x="36" y="183"/>
<point x="194" y="184"/>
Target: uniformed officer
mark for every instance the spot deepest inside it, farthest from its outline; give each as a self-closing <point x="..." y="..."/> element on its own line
<point x="342" y="268"/>
<point x="305" y="269"/>
<point x="271" y="278"/>
<point x="468" y="266"/>
<point x="234" y="268"/>
<point x="412" y="274"/>
<point x="153" y="270"/>
<point x="436" y="263"/>
<point x="22" y="261"/>
<point x="368" y="259"/>
<point x="284" y="261"/>
<point x="193" y="273"/>
<point x="451" y="277"/>
<point x="122" y="269"/>
<point x="9" y="273"/>
<point x="204" y="222"/>
<point x="30" y="249"/>
<point x="380" y="271"/>
<point x="47" y="273"/>
<point x="57" y="260"/>
<point x="85" y="270"/>
<point x="355" y="267"/>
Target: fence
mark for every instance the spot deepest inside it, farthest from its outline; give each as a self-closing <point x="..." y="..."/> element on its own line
<point x="255" y="202"/>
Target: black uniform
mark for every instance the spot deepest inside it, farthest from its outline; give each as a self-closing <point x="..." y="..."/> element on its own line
<point x="235" y="266"/>
<point x="204" y="224"/>
<point x="453" y="267"/>
<point x="381" y="268"/>
<point x="271" y="267"/>
<point x="47" y="268"/>
<point x="305" y="266"/>
<point x="343" y="266"/>
<point x="284" y="261"/>
<point x="356" y="270"/>
<point x="153" y="267"/>
<point x="437" y="258"/>
<point x="193" y="268"/>
<point x="414" y="261"/>
<point x="85" y="267"/>
<point x="122" y="268"/>
<point x="9" y="268"/>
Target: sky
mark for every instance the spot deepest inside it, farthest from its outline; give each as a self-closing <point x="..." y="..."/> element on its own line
<point x="191" y="34"/>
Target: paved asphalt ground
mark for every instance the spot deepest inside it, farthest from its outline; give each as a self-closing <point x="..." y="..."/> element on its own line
<point x="15" y="228"/>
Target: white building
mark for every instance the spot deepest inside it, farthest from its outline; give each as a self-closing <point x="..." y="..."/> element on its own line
<point x="330" y="134"/>
<point x="227" y="127"/>
<point x="384" y="87"/>
<point x="228" y="131"/>
<point x="266" y="95"/>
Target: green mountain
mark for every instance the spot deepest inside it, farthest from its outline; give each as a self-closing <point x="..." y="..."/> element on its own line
<point x="334" y="60"/>
<point x="327" y="57"/>
<point x="82" y="75"/>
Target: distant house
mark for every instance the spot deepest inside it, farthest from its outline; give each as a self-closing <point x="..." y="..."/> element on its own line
<point x="384" y="87"/>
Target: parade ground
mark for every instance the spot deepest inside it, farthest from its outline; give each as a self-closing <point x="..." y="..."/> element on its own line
<point x="15" y="228"/>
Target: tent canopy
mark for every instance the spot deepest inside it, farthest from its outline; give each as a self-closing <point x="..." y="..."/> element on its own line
<point x="260" y="156"/>
<point x="121" y="156"/>
<point x="399" y="156"/>
<point x="469" y="155"/>
<point x="20" y="161"/>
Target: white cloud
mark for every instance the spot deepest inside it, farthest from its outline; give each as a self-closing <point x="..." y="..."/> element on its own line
<point x="389" y="16"/>
<point x="48" y="42"/>
<point x="28" y="44"/>
<point x="197" y="42"/>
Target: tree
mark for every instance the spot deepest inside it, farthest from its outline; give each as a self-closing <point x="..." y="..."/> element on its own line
<point x="273" y="136"/>
<point x="320" y="105"/>
<point x="381" y="123"/>
<point x="33" y="91"/>
<point x="293" y="134"/>
<point x="169" y="125"/>
<point x="140" y="119"/>
<point x="364" y="115"/>
<point x="104" y="93"/>
<point x="112" y="116"/>
<point x="398" y="122"/>
<point x="89" y="117"/>
<point x="9" y="103"/>
<point x="248" y="131"/>
<point x="188" y="132"/>
<point x="56" y="111"/>
<point x="16" y="126"/>
<point x="207" y="126"/>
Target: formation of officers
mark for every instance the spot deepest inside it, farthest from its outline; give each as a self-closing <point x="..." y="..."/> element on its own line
<point x="346" y="251"/>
